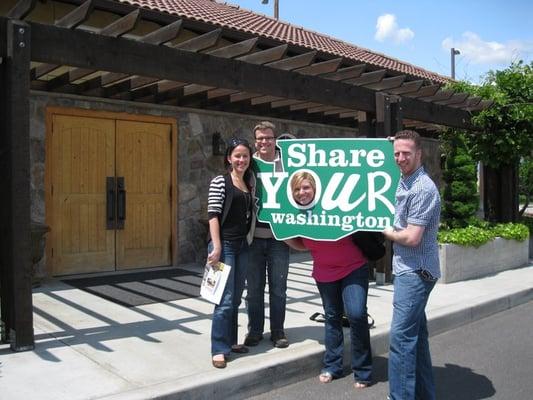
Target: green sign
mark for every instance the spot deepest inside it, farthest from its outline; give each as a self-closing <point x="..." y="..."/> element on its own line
<point x="354" y="183"/>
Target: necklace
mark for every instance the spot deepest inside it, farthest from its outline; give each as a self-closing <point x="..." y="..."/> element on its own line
<point x="248" y="203"/>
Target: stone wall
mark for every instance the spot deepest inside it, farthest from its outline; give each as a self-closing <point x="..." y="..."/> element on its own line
<point x="196" y="163"/>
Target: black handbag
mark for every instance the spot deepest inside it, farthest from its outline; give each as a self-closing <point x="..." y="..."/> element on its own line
<point x="319" y="317"/>
<point x="370" y="243"/>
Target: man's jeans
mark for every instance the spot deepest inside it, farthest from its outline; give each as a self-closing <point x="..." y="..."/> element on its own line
<point x="410" y="368"/>
<point x="267" y="256"/>
<point x="347" y="295"/>
<point x="224" y="323"/>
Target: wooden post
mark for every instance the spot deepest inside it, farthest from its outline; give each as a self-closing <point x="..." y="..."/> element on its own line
<point x="367" y="128"/>
<point x="16" y="264"/>
<point x="366" y="124"/>
<point x="388" y="122"/>
<point x="500" y="193"/>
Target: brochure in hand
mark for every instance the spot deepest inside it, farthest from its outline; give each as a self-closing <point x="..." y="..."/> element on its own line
<point x="214" y="282"/>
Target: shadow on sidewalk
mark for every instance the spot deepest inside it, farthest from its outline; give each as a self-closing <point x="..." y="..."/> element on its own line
<point x="452" y="381"/>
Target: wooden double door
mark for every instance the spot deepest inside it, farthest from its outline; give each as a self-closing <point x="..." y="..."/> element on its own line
<point x="110" y="197"/>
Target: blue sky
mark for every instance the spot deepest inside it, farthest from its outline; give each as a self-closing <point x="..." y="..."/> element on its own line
<point x="489" y="34"/>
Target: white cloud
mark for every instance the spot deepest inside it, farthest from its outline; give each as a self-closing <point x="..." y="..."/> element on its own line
<point x="478" y="51"/>
<point x="387" y="28"/>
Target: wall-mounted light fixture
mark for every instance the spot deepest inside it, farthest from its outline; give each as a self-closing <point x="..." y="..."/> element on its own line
<point x="219" y="146"/>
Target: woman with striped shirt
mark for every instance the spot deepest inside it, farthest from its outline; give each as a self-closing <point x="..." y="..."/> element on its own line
<point x="231" y="223"/>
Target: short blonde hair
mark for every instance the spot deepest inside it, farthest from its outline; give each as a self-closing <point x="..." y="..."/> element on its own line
<point x="263" y="125"/>
<point x="299" y="177"/>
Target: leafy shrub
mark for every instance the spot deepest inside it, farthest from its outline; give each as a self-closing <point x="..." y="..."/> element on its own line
<point x="469" y="236"/>
<point x="478" y="235"/>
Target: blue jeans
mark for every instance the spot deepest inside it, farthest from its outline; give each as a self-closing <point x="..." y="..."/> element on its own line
<point x="225" y="316"/>
<point x="347" y="295"/>
<point x="267" y="257"/>
<point x="410" y="368"/>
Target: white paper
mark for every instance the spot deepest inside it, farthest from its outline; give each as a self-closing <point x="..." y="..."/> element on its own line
<point x="214" y="282"/>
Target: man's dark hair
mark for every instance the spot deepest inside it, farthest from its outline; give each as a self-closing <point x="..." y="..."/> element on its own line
<point x="408" y="134"/>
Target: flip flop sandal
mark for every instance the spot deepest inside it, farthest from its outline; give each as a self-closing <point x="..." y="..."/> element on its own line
<point x="318" y="317"/>
<point x="325" y="377"/>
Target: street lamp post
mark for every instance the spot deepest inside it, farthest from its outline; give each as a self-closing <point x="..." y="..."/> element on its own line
<point x="276" y="7"/>
<point x="454" y="52"/>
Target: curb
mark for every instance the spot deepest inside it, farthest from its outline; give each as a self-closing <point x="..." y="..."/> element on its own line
<point x="281" y="369"/>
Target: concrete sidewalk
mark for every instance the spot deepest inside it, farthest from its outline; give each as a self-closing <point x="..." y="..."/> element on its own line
<point x="90" y="348"/>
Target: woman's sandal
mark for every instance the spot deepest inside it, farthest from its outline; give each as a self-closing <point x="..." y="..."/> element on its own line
<point x="325" y="377"/>
<point x="219" y="363"/>
<point x="360" y="385"/>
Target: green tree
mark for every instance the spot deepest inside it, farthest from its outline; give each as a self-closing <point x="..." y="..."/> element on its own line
<point x="460" y="198"/>
<point x="506" y="128"/>
<point x="502" y="135"/>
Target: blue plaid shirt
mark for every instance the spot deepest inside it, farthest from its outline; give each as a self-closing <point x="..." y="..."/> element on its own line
<point x="417" y="203"/>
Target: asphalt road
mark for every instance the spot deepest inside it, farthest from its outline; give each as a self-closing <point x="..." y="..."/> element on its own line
<point x="489" y="359"/>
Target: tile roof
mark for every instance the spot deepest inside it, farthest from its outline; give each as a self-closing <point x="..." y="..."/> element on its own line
<point x="230" y="16"/>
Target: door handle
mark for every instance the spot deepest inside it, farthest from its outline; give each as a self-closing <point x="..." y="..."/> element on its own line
<point x="110" y="202"/>
<point x="121" y="202"/>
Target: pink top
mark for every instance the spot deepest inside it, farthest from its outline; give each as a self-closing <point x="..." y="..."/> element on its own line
<point x="334" y="260"/>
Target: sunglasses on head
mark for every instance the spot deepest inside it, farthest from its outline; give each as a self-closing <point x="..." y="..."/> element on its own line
<point x="234" y="142"/>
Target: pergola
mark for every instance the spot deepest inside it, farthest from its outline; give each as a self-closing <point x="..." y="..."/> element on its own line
<point x="186" y="63"/>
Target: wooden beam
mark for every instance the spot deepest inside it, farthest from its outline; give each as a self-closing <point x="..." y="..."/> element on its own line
<point x="349" y="114"/>
<point x="212" y="94"/>
<point x="303" y="106"/>
<point x="119" y="27"/>
<point x="164" y="34"/>
<point x="243" y="96"/>
<point x="265" y="56"/>
<point x="136" y="58"/>
<point x="368" y="77"/>
<point x="337" y="111"/>
<point x="285" y="103"/>
<point x="470" y="102"/>
<point x="76" y="16"/>
<point x="387" y="83"/>
<point x="158" y="37"/>
<point x="235" y="50"/>
<point x="202" y="42"/>
<point x="342" y="74"/>
<point x="260" y="57"/>
<point x="15" y="202"/>
<point x="194" y="88"/>
<point x="165" y="85"/>
<point x="264" y="99"/>
<point x="322" y="109"/>
<point x="424" y="91"/>
<point x="407" y="87"/>
<point x="230" y="51"/>
<point x="290" y="63"/>
<point x="456" y="98"/>
<point x="482" y="105"/>
<point x="440" y="95"/>
<point x="69" y="21"/>
<point x="122" y="25"/>
<point x="21" y="9"/>
<point x="323" y="67"/>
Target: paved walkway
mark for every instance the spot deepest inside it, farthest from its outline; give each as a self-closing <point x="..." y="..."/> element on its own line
<point x="90" y="348"/>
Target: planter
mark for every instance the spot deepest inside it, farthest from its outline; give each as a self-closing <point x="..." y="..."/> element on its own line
<point x="458" y="263"/>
